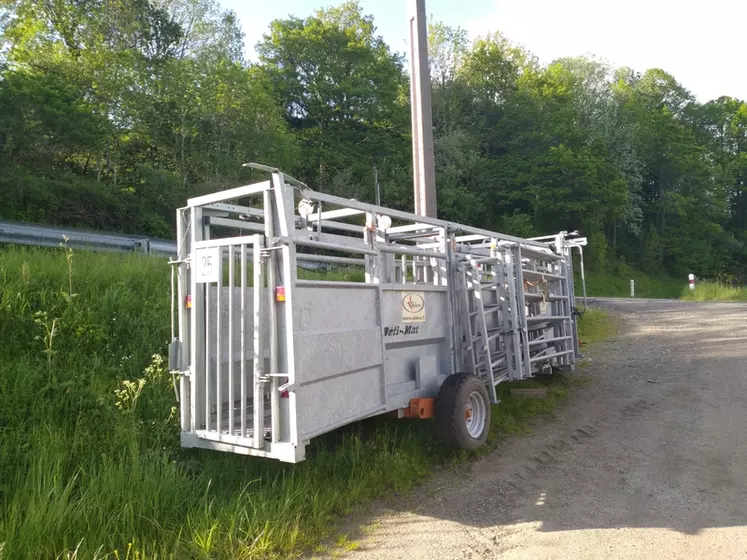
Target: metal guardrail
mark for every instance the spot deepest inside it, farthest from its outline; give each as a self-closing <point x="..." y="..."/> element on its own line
<point x="23" y="233"/>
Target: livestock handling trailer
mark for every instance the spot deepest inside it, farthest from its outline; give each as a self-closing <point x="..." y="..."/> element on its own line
<point x="270" y="354"/>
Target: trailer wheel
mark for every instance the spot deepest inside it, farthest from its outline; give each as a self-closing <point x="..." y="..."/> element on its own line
<point x="463" y="411"/>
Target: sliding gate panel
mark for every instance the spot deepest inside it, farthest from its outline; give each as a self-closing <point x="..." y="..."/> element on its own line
<point x="230" y="396"/>
<point x="339" y="355"/>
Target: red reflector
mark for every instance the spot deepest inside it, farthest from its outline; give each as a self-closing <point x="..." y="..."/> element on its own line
<point x="188" y="303"/>
<point x="280" y="293"/>
<point x="284" y="395"/>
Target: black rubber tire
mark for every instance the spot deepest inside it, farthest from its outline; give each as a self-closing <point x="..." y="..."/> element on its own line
<point x="450" y="409"/>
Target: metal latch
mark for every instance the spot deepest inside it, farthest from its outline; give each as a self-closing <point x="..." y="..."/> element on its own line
<point x="287" y="386"/>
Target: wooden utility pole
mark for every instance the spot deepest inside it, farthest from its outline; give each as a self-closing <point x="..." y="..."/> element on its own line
<point x="423" y="166"/>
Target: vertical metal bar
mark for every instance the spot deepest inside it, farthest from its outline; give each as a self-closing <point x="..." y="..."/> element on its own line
<point x="505" y="287"/>
<point x="218" y="347"/>
<point x="451" y="299"/>
<point x="288" y="262"/>
<point x="445" y="264"/>
<point x="205" y="320"/>
<point x="242" y="329"/>
<point x="270" y="267"/>
<point x="319" y="220"/>
<point x="376" y="261"/>
<point x="196" y="321"/>
<point x="182" y="321"/>
<point x="258" y="440"/>
<point x="367" y="240"/>
<point x="384" y="270"/>
<point x="508" y="324"/>
<point x="207" y="342"/>
<point x="583" y="277"/>
<point x="284" y="202"/>
<point x="522" y="310"/>
<point x="403" y="268"/>
<point x="514" y="289"/>
<point x="231" y="400"/>
<point x="574" y="318"/>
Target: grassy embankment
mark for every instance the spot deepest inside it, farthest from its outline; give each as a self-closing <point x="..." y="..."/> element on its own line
<point x="617" y="284"/>
<point x="90" y="464"/>
<point x="714" y="291"/>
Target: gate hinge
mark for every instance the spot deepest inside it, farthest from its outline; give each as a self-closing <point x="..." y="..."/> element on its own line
<point x="267" y="251"/>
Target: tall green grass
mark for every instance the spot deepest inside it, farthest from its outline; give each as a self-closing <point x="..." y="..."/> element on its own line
<point x="90" y="462"/>
<point x="714" y="291"/>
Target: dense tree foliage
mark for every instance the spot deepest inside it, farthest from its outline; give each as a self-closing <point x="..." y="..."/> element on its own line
<point x="113" y="112"/>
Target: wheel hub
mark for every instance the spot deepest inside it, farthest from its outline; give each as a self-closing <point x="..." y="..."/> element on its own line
<point x="475" y="413"/>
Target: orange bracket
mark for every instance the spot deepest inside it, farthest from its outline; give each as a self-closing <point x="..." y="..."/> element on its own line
<point x="420" y="408"/>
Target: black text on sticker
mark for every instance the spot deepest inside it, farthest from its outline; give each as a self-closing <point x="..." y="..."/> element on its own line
<point x="401" y="330"/>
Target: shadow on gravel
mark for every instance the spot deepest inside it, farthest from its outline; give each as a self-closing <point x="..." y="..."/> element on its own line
<point x="659" y="440"/>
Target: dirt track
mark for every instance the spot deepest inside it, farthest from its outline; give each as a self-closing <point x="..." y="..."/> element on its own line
<point x="647" y="461"/>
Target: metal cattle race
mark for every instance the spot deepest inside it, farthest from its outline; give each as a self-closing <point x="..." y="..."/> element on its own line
<point x="268" y="359"/>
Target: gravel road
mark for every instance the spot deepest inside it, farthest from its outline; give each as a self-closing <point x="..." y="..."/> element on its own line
<point x="649" y="460"/>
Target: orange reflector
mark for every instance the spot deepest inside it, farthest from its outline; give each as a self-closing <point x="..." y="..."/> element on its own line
<point x="280" y="293"/>
<point x="188" y="303"/>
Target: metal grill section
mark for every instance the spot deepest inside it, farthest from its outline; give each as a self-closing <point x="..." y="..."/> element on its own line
<point x="516" y="309"/>
<point x="235" y="404"/>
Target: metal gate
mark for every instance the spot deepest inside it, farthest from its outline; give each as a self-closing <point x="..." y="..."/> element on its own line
<point x="228" y="322"/>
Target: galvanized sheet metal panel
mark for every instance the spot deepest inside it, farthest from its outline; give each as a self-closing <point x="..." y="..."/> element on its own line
<point x="338" y="401"/>
<point x="338" y="355"/>
<point x="327" y="354"/>
<point x="397" y="319"/>
<point x="334" y="308"/>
